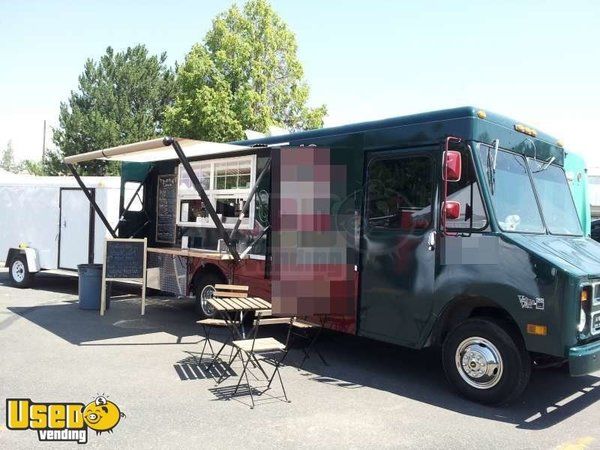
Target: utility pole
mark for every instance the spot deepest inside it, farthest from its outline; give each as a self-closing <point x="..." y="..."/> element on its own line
<point x="44" y="144"/>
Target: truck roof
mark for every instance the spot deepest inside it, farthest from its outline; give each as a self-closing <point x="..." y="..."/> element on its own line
<point x="476" y="123"/>
<point x="427" y="128"/>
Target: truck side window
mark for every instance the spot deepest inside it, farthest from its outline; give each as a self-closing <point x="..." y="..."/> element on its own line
<point x="130" y="192"/>
<point x="399" y="193"/>
<point x="466" y="191"/>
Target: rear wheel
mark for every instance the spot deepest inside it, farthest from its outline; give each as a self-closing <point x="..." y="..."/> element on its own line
<point x="204" y="290"/>
<point x="19" y="273"/>
<point x="485" y="363"/>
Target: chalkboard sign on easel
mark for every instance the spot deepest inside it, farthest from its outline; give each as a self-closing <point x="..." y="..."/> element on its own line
<point x="124" y="259"/>
<point x="166" y="208"/>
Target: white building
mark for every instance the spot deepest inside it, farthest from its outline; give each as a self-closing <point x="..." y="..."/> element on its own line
<point x="594" y="190"/>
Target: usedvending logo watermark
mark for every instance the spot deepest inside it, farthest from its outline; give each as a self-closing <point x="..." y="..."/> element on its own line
<point x="63" y="421"/>
<point x="531" y="303"/>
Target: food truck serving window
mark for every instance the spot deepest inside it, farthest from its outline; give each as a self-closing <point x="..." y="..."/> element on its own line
<point x="227" y="183"/>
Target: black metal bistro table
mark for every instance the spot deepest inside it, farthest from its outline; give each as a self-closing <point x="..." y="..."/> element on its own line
<point x="233" y="310"/>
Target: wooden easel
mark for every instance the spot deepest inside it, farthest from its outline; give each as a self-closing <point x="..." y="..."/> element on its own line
<point x="117" y="278"/>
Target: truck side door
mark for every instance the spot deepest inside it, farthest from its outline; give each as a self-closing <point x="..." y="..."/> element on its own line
<point x="398" y="244"/>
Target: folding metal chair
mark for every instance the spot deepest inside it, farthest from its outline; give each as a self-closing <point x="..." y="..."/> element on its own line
<point x="259" y="346"/>
<point x="309" y="332"/>
<point x="222" y="291"/>
<point x="207" y="326"/>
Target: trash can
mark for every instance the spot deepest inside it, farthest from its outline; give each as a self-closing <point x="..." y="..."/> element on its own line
<point x="90" y="286"/>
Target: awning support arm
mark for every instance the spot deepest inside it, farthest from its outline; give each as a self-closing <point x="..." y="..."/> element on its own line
<point x="200" y="190"/>
<point x="258" y="238"/>
<point x="250" y="195"/>
<point x="92" y="201"/>
<point x="140" y="228"/>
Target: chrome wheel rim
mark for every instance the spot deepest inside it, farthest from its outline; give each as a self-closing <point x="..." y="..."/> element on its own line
<point x="207" y="293"/>
<point x="479" y="363"/>
<point x="18" y="271"/>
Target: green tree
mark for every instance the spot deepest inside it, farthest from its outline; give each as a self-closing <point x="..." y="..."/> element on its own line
<point x="7" y="160"/>
<point x="245" y="75"/>
<point x="33" y="167"/>
<point x="120" y="99"/>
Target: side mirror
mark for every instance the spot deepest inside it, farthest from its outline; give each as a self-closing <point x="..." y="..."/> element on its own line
<point x="451" y="210"/>
<point x="452" y="165"/>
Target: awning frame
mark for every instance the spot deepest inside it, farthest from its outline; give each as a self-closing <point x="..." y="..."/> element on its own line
<point x="153" y="144"/>
<point x="154" y="150"/>
<point x="92" y="201"/>
<point x="202" y="193"/>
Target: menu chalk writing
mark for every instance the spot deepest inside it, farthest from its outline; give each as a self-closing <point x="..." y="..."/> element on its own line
<point x="125" y="259"/>
<point x="166" y="208"/>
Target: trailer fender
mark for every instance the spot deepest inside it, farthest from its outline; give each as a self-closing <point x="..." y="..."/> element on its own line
<point x="33" y="263"/>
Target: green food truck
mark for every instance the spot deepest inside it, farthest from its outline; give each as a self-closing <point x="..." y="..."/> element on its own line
<point x="453" y="228"/>
<point x="576" y="172"/>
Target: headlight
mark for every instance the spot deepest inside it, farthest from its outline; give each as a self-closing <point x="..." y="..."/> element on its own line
<point x="585" y="298"/>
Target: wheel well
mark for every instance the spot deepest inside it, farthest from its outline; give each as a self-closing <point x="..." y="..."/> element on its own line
<point x="464" y="308"/>
<point x="12" y="253"/>
<point x="204" y="270"/>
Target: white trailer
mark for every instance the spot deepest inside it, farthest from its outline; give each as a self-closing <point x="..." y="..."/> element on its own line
<point x="47" y="223"/>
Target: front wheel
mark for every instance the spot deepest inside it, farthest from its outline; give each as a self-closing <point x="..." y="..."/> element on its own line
<point x="485" y="363"/>
<point x="19" y="272"/>
<point x="204" y="290"/>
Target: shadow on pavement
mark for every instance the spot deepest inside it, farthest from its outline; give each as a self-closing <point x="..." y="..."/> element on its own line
<point x="354" y="363"/>
<point x="169" y="321"/>
<point x="47" y="282"/>
<point x="551" y="397"/>
<point x="61" y="284"/>
<point x="191" y="368"/>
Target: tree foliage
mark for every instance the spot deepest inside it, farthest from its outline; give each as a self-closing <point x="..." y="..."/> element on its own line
<point x="245" y="75"/>
<point x="8" y="163"/>
<point x="7" y="159"/>
<point x="120" y="99"/>
<point x="33" y="167"/>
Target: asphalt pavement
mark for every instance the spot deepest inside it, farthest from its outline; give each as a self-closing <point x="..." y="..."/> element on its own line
<point x="368" y="395"/>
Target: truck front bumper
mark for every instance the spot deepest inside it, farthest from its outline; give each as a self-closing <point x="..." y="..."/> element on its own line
<point x="584" y="359"/>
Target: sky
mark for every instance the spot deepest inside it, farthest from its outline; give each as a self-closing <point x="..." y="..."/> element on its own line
<point x="535" y="61"/>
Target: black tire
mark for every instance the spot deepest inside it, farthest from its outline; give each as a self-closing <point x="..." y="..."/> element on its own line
<point x="507" y="365"/>
<point x="19" y="272"/>
<point x="204" y="282"/>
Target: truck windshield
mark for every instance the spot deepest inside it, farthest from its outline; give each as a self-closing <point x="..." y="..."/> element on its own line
<point x="511" y="191"/>
<point x="555" y="198"/>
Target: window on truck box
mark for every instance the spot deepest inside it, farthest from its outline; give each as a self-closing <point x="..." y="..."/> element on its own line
<point x="227" y="183"/>
<point x="466" y="192"/>
<point x="399" y="193"/>
<point x="128" y="193"/>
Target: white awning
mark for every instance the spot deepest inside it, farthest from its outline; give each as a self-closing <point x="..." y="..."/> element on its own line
<point x="155" y="150"/>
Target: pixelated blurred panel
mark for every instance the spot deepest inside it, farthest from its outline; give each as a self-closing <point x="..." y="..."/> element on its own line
<point x="476" y="250"/>
<point x="312" y="262"/>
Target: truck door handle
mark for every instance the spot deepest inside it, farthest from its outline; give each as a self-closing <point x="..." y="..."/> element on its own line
<point x="64" y="224"/>
<point x="431" y="240"/>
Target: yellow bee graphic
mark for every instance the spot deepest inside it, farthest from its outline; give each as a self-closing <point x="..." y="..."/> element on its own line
<point x="102" y="415"/>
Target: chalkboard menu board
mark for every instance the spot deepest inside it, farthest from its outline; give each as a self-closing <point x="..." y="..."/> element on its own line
<point x="125" y="258"/>
<point x="166" y="208"/>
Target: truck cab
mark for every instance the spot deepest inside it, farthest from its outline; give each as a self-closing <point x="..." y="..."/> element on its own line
<point x="478" y="247"/>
